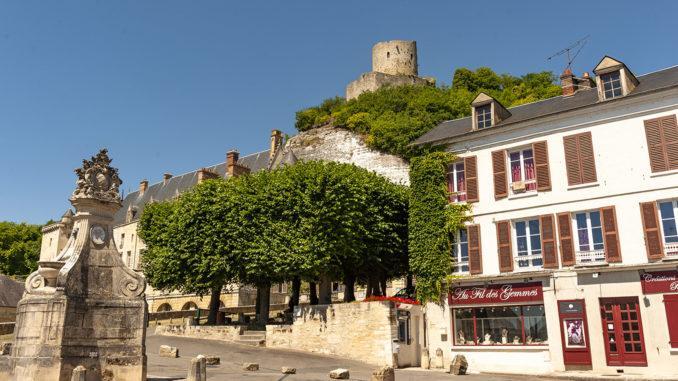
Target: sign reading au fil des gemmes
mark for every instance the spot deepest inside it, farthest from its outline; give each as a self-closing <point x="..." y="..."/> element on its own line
<point x="497" y="293"/>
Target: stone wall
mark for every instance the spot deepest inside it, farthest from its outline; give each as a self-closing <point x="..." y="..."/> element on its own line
<point x="396" y="57"/>
<point x="222" y="332"/>
<point x="359" y="331"/>
<point x="373" y="80"/>
<point x="340" y="145"/>
<point x="7" y="314"/>
<point x="6" y="328"/>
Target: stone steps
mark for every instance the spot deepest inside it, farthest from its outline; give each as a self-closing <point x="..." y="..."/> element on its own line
<point x="253" y="338"/>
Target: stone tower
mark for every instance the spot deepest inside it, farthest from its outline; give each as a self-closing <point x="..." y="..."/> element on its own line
<point x="84" y="307"/>
<point x="393" y="63"/>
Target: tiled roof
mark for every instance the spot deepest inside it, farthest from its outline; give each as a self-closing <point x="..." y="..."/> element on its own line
<point x="583" y="98"/>
<point x="178" y="184"/>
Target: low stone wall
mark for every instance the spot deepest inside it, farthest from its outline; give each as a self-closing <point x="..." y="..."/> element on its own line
<point x="6" y="328"/>
<point x="359" y="331"/>
<point x="220" y="332"/>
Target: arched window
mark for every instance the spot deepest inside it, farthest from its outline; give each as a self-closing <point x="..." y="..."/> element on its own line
<point x="189" y="306"/>
<point x="164" y="307"/>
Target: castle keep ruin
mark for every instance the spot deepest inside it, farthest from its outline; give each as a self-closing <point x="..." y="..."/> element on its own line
<point x="393" y="63"/>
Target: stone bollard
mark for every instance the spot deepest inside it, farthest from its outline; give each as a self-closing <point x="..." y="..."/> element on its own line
<point x="459" y="365"/>
<point x="79" y="373"/>
<point x="384" y="373"/>
<point x="438" y="364"/>
<point x="197" y="370"/>
<point x="288" y="370"/>
<point x="250" y="366"/>
<point x="340" y="374"/>
<point x="167" y="351"/>
<point x="425" y="359"/>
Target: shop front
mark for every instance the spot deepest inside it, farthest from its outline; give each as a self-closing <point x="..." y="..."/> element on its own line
<point x="664" y="285"/>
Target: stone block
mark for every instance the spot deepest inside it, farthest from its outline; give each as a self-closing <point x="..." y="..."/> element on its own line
<point x="167" y="351"/>
<point x="288" y="370"/>
<point x="425" y="359"/>
<point x="385" y="373"/>
<point x="340" y="374"/>
<point x="438" y="362"/>
<point x="197" y="371"/>
<point x="250" y="366"/>
<point x="212" y="360"/>
<point x="459" y="365"/>
<point x="79" y="373"/>
<point x="5" y="348"/>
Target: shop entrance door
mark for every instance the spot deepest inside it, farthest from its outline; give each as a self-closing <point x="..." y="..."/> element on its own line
<point x="623" y="332"/>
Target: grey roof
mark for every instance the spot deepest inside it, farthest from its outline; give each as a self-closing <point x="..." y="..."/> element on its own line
<point x="11" y="291"/>
<point x="583" y="98"/>
<point x="179" y="184"/>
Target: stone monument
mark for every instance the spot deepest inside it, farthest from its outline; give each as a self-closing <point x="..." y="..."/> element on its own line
<point x="84" y="308"/>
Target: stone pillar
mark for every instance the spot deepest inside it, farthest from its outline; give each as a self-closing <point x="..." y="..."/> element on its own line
<point x="197" y="371"/>
<point x="79" y="373"/>
<point x="325" y="291"/>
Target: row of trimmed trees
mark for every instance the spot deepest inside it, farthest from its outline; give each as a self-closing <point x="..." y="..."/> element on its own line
<point x="313" y="221"/>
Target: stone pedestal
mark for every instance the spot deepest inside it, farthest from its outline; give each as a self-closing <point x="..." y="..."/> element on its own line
<point x="89" y="310"/>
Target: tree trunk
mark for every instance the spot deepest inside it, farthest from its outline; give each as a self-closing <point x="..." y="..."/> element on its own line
<point x="313" y="294"/>
<point x="368" y="287"/>
<point x="296" y="290"/>
<point x="264" y="302"/>
<point x="214" y="305"/>
<point x="349" y="288"/>
<point x="382" y="283"/>
<point x="409" y="282"/>
<point x="325" y="290"/>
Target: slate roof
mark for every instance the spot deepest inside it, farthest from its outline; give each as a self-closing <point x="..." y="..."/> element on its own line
<point x="11" y="291"/>
<point x="179" y="184"/>
<point x="651" y="82"/>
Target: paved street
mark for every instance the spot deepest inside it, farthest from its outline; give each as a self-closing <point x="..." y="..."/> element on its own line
<point x="310" y="367"/>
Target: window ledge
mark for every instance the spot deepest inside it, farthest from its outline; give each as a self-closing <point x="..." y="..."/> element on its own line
<point x="672" y="351"/>
<point x="580" y="186"/>
<point x="523" y="195"/>
<point x="664" y="173"/>
<point x="521" y="348"/>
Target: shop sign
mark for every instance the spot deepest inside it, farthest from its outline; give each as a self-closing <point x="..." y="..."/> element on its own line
<point x="658" y="282"/>
<point x="497" y="293"/>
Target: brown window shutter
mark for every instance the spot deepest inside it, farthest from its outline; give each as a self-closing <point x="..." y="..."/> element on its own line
<point x="572" y="160"/>
<point x="475" y="260"/>
<point x="548" y="241"/>
<point x="541" y="164"/>
<point x="504" y="246"/>
<point x="586" y="158"/>
<point x="499" y="169"/>
<point x="566" y="241"/>
<point x="655" y="145"/>
<point x="670" y="137"/>
<point x="610" y="234"/>
<point x="471" y="172"/>
<point x="653" y="237"/>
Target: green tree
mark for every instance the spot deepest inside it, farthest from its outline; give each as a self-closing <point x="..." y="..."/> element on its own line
<point x="19" y="248"/>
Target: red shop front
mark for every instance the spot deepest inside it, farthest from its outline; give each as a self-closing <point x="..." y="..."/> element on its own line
<point x="498" y="314"/>
<point x="666" y="283"/>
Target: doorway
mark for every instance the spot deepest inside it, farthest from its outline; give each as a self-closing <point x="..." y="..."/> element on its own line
<point x="623" y="332"/>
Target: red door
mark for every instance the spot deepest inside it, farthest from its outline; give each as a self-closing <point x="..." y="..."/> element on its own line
<point x="623" y="332"/>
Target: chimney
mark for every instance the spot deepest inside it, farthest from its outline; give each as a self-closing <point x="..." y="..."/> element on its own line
<point x="166" y="177"/>
<point x="205" y="174"/>
<point x="234" y="169"/>
<point x="143" y="185"/>
<point x="276" y="143"/>
<point x="568" y="83"/>
<point x="586" y="82"/>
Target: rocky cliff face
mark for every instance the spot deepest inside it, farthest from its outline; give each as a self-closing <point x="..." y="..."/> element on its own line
<point x="343" y="146"/>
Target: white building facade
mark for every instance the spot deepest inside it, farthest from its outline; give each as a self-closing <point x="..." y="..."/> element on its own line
<point x="571" y="260"/>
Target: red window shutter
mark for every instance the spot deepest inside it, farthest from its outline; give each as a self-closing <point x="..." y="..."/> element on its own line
<point x="548" y="241"/>
<point x="586" y="158"/>
<point x="670" y="137"/>
<point x="504" y="246"/>
<point x="499" y="169"/>
<point x="541" y="164"/>
<point x="471" y="171"/>
<point x="475" y="260"/>
<point x="610" y="235"/>
<point x="671" y="305"/>
<point x="566" y="241"/>
<point x="653" y="237"/>
<point x="572" y="160"/>
<point x="655" y="145"/>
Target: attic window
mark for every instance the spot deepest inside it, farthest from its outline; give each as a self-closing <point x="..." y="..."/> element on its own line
<point x="612" y="86"/>
<point x="484" y="116"/>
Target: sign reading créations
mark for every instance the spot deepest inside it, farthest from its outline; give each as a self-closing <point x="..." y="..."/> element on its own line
<point x="657" y="282"/>
<point x="497" y="293"/>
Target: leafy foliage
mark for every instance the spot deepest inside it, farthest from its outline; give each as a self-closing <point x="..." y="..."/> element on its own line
<point x="393" y="117"/>
<point x="432" y="222"/>
<point x="19" y="248"/>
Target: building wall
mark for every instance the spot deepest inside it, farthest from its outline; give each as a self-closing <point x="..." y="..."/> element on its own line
<point x="54" y="238"/>
<point x="372" y="81"/>
<point x="7" y="314"/>
<point x="129" y="244"/>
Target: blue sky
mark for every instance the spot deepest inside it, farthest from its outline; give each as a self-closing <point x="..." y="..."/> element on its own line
<point x="170" y="86"/>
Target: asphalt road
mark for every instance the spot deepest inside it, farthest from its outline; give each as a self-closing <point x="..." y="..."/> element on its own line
<point x="310" y="367"/>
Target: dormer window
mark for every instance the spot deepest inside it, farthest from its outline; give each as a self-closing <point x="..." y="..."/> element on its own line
<point x="612" y="85"/>
<point x="484" y="116"/>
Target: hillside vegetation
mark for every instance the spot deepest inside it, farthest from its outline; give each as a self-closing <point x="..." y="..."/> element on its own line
<point x="392" y="117"/>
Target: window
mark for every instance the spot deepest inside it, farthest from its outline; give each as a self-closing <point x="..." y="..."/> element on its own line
<point x="404" y="326"/>
<point x="528" y="244"/>
<point x="460" y="252"/>
<point x="129" y="259"/>
<point x="612" y="86"/>
<point x="456" y="182"/>
<point x="668" y="211"/>
<point x="522" y="171"/>
<point x="122" y="240"/>
<point x="503" y="325"/>
<point x="484" y="116"/>
<point x="589" y="238"/>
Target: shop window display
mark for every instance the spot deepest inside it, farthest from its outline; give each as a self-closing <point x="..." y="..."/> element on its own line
<point x="502" y="325"/>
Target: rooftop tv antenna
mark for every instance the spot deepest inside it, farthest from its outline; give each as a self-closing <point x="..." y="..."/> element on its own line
<point x="578" y="45"/>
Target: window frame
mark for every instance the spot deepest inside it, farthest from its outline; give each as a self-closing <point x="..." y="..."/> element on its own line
<point x="475" y="343"/>
<point x="674" y="207"/>
<point x="528" y="234"/>
<point x="509" y="171"/>
<point x="604" y="79"/>
<point x="457" y="244"/>
<point x="457" y="195"/>
<point x="484" y="111"/>
<point x="589" y="232"/>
